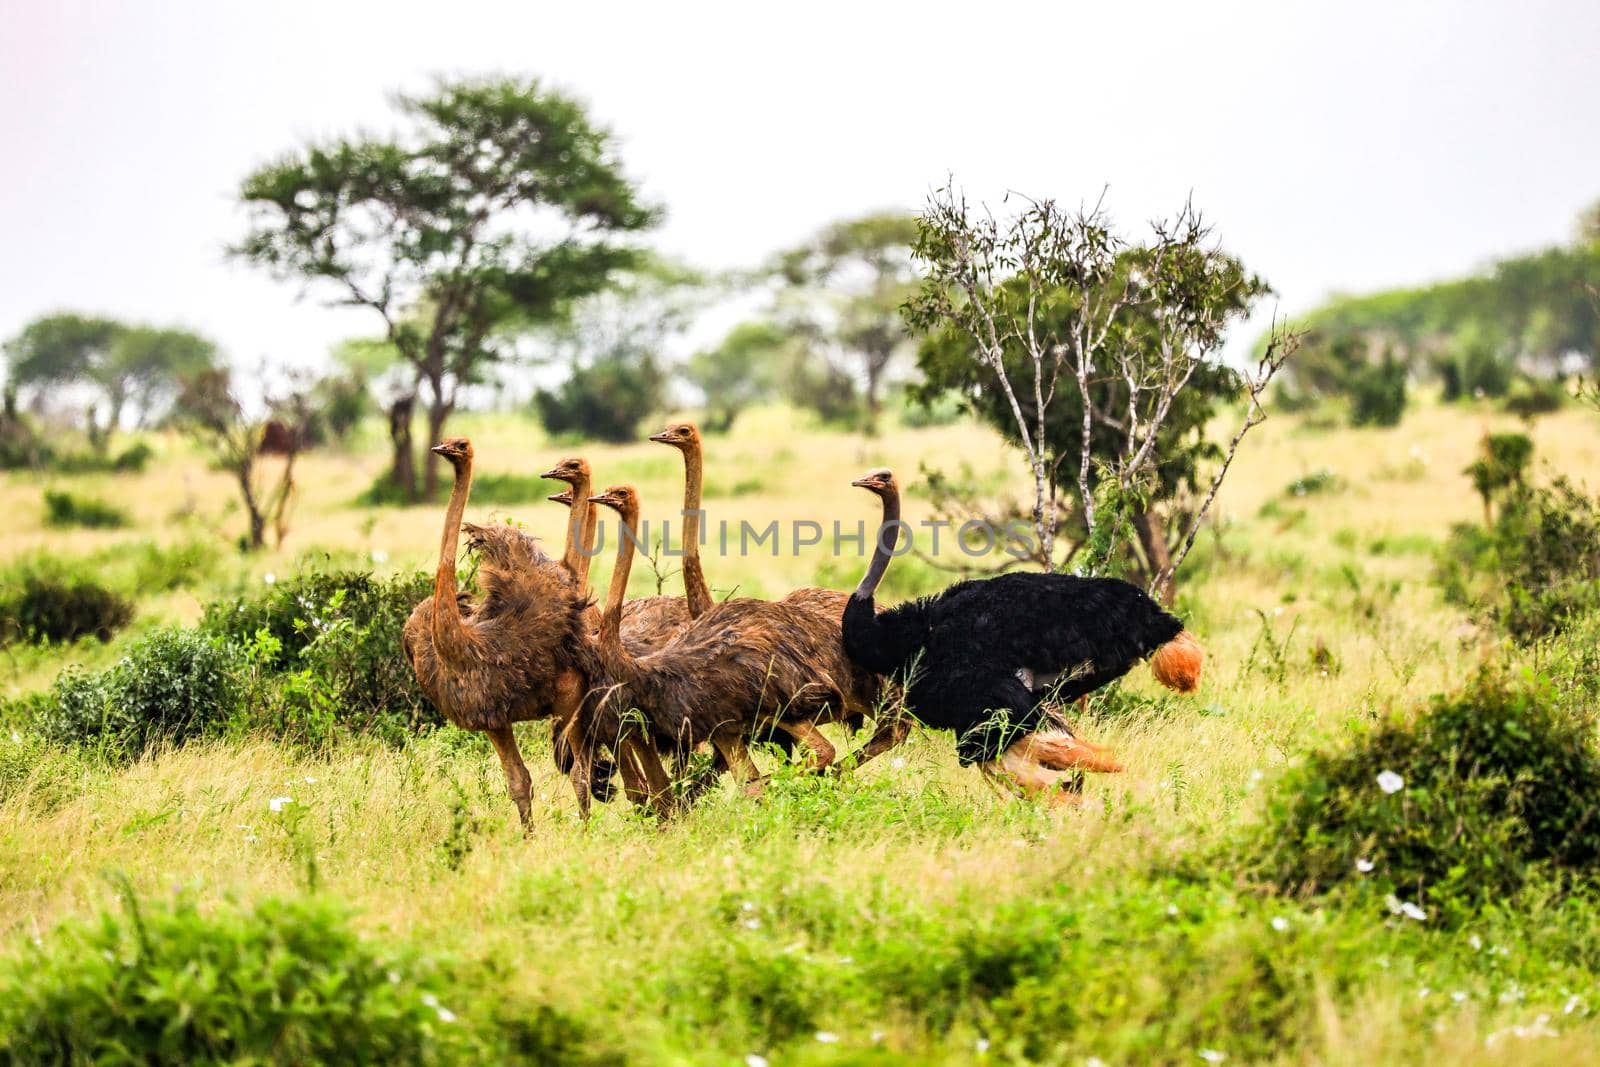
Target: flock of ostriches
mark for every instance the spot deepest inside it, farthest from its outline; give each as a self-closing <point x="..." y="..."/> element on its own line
<point x="635" y="690"/>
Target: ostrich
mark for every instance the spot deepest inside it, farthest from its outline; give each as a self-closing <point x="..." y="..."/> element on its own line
<point x="743" y="666"/>
<point x="514" y="656"/>
<point x="984" y="655"/>
<point x="819" y="609"/>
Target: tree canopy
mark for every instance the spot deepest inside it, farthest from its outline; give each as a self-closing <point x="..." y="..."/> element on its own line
<point x="503" y="205"/>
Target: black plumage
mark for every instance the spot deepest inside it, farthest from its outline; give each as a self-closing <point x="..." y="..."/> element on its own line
<point x="983" y="656"/>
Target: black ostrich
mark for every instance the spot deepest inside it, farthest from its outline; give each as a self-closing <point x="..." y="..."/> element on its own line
<point x="984" y="656"/>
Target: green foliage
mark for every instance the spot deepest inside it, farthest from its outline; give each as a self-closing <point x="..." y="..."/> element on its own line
<point x="1498" y="783"/>
<point x="333" y="641"/>
<point x="605" y="400"/>
<point x="283" y="982"/>
<point x="1530" y="309"/>
<point x="1318" y="481"/>
<point x="131" y="366"/>
<point x="62" y="508"/>
<point x="744" y="368"/>
<point x="172" y="685"/>
<point x="1528" y="398"/>
<point x="1378" y="393"/>
<point x="487" y="489"/>
<point x="1501" y="466"/>
<point x="42" y="602"/>
<point x="446" y="232"/>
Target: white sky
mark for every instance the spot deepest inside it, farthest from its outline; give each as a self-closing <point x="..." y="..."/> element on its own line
<point x="1349" y="147"/>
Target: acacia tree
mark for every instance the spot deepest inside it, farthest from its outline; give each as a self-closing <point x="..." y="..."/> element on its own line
<point x="503" y="205"/>
<point x="843" y="292"/>
<point x="137" y="367"/>
<point x="1099" y="358"/>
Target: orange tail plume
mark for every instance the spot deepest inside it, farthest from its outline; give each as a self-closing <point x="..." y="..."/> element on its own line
<point x="1177" y="663"/>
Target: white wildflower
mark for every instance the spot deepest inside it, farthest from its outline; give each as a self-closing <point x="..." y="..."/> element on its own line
<point x="16" y="738"/>
<point x="446" y="1015"/>
<point x="1392" y="902"/>
<point x="1574" y="1002"/>
<point x="755" y="1059"/>
<point x="1412" y="911"/>
<point x="1094" y="1061"/>
<point x="748" y="905"/>
<point x="982" y="1045"/>
<point x="751" y="924"/>
<point x="897" y="763"/>
<point x="1390" y="782"/>
<point x="1458" y="996"/>
<point x="429" y="1000"/>
<point x="1280" y="924"/>
<point x="1365" y="865"/>
<point x="827" y="1037"/>
<point x="1424" y="993"/>
<point x="310" y="780"/>
<point x="270" y="578"/>
<point x="877" y="1036"/>
<point x="279" y="803"/>
<point x="379" y="557"/>
<point x="1211" y="1055"/>
<point x="1172" y="909"/>
<point x="1476" y="942"/>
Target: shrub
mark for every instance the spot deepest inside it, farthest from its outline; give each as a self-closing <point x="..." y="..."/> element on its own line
<point x="1322" y="480"/>
<point x="1378" y="393"/>
<point x="172" y="685"/>
<point x="1536" y="567"/>
<point x="335" y="636"/>
<point x="1495" y="783"/>
<point x="1502" y="464"/>
<point x="62" y="508"/>
<point x="1530" y="398"/>
<point x="280" y="983"/>
<point x="605" y="400"/>
<point x="43" y="604"/>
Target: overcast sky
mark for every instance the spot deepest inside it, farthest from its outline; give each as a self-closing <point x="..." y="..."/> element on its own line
<point x="1347" y="148"/>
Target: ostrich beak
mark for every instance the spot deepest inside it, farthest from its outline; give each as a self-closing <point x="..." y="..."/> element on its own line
<point x="661" y="438"/>
<point x="553" y="475"/>
<point x="863" y="483"/>
<point x="439" y="450"/>
<point x="560" y="498"/>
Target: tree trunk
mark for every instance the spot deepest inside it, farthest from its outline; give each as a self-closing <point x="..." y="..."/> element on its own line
<point x="438" y="412"/>
<point x="402" y="464"/>
<point x="1153" y="542"/>
<point x="258" y="522"/>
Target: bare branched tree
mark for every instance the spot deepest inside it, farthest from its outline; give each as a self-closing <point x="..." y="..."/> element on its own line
<point x="1100" y="358"/>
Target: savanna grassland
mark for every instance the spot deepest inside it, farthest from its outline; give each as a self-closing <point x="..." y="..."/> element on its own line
<point x="902" y="914"/>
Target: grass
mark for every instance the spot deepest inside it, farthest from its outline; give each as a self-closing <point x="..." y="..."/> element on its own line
<point x="905" y="911"/>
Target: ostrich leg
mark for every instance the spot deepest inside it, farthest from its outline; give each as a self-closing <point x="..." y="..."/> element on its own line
<point x="805" y="731"/>
<point x="729" y="743"/>
<point x="643" y="776"/>
<point x="517" y="776"/>
<point x="887" y="736"/>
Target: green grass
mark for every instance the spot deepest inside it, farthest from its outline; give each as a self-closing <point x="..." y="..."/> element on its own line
<point x="904" y="910"/>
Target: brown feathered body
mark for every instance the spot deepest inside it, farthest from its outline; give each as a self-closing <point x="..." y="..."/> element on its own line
<point x="509" y="648"/>
<point x="822" y="612"/>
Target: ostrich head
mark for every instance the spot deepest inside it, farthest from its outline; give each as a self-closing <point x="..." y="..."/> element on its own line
<point x="623" y="499"/>
<point x="880" y="481"/>
<point x="563" y="497"/>
<point x="680" y="435"/>
<point x="457" y="450"/>
<point x="571" y="470"/>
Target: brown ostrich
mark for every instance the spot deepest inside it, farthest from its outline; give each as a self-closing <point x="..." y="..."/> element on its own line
<point x="515" y="655"/>
<point x="743" y="667"/>
<point x="577" y="555"/>
<point x="818" y="609"/>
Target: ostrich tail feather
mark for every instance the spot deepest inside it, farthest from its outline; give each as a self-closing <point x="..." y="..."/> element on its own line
<point x="1177" y="663"/>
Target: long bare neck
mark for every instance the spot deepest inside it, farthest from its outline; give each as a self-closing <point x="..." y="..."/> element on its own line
<point x="591" y="523"/>
<point x="888" y="537"/>
<point x="695" y="589"/>
<point x="611" y="622"/>
<point x="449" y="641"/>
<point x="571" y="557"/>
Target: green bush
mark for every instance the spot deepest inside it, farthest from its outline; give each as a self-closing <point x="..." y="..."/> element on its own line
<point x="42" y="604"/>
<point x="1529" y="398"/>
<point x="285" y="982"/>
<point x="68" y="509"/>
<point x="334" y="636"/>
<point x="1535" y="567"/>
<point x="1494" y="784"/>
<point x="605" y="400"/>
<point x="171" y="686"/>
<point x="1378" y="393"/>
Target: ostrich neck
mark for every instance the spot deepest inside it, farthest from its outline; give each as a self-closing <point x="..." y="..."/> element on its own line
<point x="591" y="523"/>
<point x="612" y="652"/>
<point x="888" y="537"/>
<point x="695" y="590"/>
<point x="571" y="557"/>
<point x="448" y="639"/>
